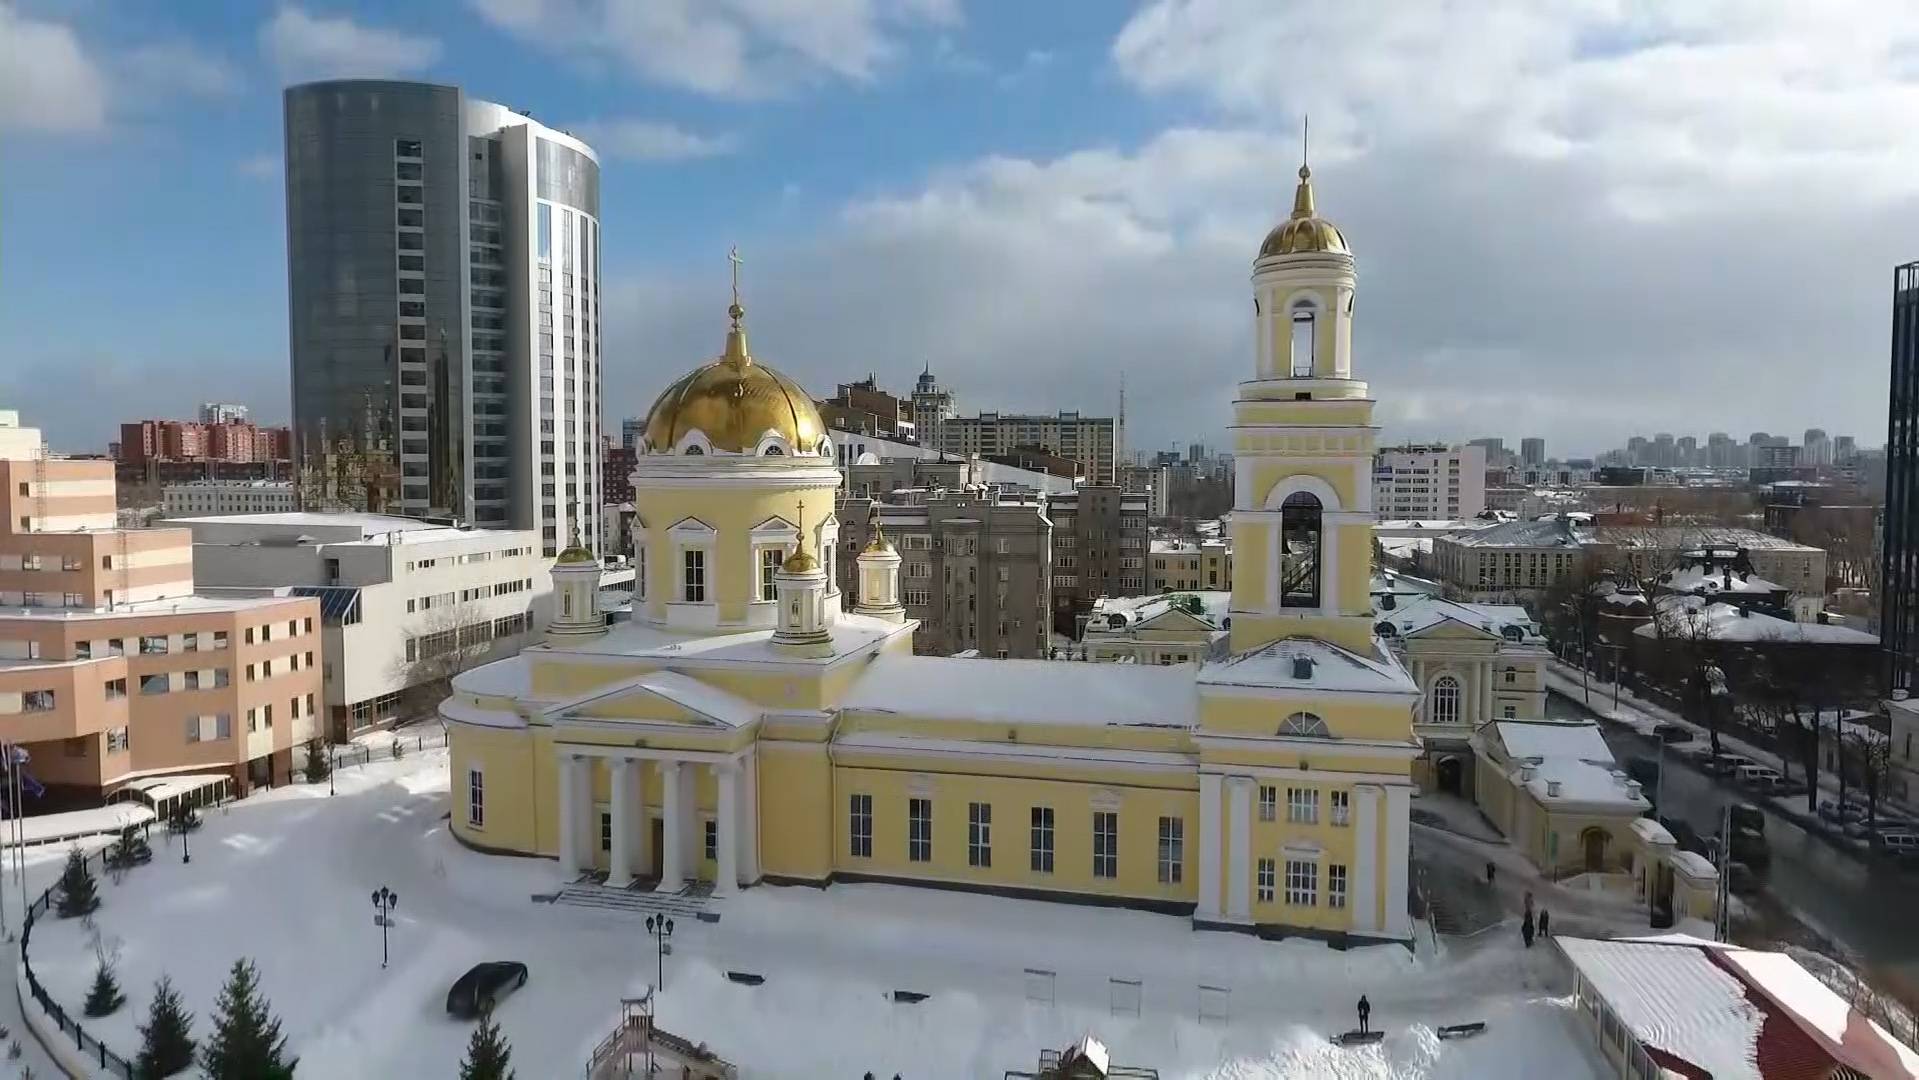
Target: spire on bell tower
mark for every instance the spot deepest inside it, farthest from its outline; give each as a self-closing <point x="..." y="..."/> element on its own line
<point x="736" y="351"/>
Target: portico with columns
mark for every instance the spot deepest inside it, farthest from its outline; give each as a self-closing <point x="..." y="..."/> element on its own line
<point x="652" y="826"/>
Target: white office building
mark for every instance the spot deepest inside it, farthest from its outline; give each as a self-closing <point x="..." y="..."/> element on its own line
<point x="396" y="595"/>
<point x="199" y="497"/>
<point x="1429" y="482"/>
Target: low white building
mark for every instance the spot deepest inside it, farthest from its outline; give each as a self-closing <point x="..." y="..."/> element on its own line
<point x="402" y="601"/>
<point x="199" y="497"/>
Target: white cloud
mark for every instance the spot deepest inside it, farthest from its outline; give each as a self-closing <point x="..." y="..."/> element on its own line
<point x="654" y="140"/>
<point x="169" y="68"/>
<point x="265" y="166"/>
<point x="47" y="80"/>
<point x="307" y="46"/>
<point x="730" y="48"/>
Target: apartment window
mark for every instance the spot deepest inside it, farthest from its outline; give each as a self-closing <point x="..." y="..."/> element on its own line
<point x="253" y="670"/>
<point x="1105" y="844"/>
<point x="266" y="716"/>
<point x="1172" y="850"/>
<point x="860" y="825"/>
<point x="1042" y="842"/>
<point x="1509" y="712"/>
<point x="979" y="834"/>
<point x="253" y="721"/>
<point x="1336" y="885"/>
<point x="116" y="689"/>
<point x="1340" y="803"/>
<point x="220" y="639"/>
<point x="37" y="701"/>
<point x="154" y="684"/>
<point x="249" y="635"/>
<point x="1302" y="805"/>
<point x="693" y="577"/>
<point x="190" y="680"/>
<point x="919" y="830"/>
<point x="193" y="729"/>
<point x="1268" y="802"/>
<point x="116" y="646"/>
<point x="117" y="740"/>
<point x="1266" y="875"/>
<point x="770" y="559"/>
<point x="153" y="645"/>
<point x="1512" y="676"/>
<point x="1302" y="882"/>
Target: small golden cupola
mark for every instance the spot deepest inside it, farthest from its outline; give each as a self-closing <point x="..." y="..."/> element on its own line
<point x="802" y="627"/>
<point x="879" y="576"/>
<point x="1304" y="232"/>
<point x="736" y="405"/>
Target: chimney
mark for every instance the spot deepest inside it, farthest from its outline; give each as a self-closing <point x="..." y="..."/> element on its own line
<point x="1302" y="667"/>
<point x="1552" y="789"/>
<point x="1632" y="789"/>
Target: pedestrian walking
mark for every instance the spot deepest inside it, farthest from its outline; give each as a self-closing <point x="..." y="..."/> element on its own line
<point x="1365" y="1014"/>
<point x="1529" y="901"/>
<point x="1545" y="923"/>
<point x="1489" y="873"/>
<point x="1526" y="929"/>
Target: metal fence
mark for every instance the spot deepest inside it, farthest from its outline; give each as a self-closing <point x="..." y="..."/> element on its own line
<point x="346" y="757"/>
<point x="93" y="1049"/>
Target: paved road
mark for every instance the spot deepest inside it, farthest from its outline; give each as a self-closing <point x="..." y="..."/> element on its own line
<point x="1864" y="904"/>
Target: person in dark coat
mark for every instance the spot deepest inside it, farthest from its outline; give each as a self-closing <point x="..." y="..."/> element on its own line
<point x="1489" y="872"/>
<point x="1526" y="929"/>
<point x="1545" y="923"/>
<point x="1365" y="1014"/>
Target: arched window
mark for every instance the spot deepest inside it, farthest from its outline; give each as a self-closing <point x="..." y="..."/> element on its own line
<point x="1445" y="700"/>
<point x="774" y="451"/>
<point x="1304" y="723"/>
<point x="1305" y="337"/>
<point x="1299" y="530"/>
<point x="694" y="450"/>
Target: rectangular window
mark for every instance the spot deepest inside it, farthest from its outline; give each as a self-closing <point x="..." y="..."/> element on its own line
<point x="770" y="559"/>
<point x="475" y="799"/>
<point x="155" y="683"/>
<point x="1302" y="805"/>
<point x="860" y="826"/>
<point x="219" y="639"/>
<point x="1340" y="803"/>
<point x="1268" y="802"/>
<point x="191" y="680"/>
<point x="1105" y="844"/>
<point x="1266" y="881"/>
<point x="693" y="583"/>
<point x="116" y="689"/>
<point x="1172" y="850"/>
<point x="1042" y="839"/>
<point x="117" y="741"/>
<point x="153" y="645"/>
<point x="712" y="840"/>
<point x="1302" y="882"/>
<point x="193" y="729"/>
<point x="223" y="726"/>
<point x="606" y="831"/>
<point x="979" y="834"/>
<point x="1336" y="885"/>
<point x="36" y="701"/>
<point x="919" y="830"/>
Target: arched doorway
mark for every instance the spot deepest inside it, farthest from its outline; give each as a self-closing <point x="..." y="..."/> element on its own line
<point x="1592" y="842"/>
<point x="1449" y="772"/>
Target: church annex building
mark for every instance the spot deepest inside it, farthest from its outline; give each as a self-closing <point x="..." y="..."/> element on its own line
<point x="750" y="724"/>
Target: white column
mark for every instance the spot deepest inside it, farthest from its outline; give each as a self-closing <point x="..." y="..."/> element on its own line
<point x="619" y="872"/>
<point x="569" y="816"/>
<point x="672" y="865"/>
<point x="1399" y="923"/>
<point x="636" y="834"/>
<point x="1209" y="824"/>
<point x="726" y="877"/>
<point x="1365" y="899"/>
<point x="1239" y="861"/>
<point x="1486" y="690"/>
<point x="749" y="827"/>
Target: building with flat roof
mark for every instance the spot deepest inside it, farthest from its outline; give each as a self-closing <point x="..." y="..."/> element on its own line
<point x="1100" y="548"/>
<point x="1429" y="481"/>
<point x="1094" y="442"/>
<point x="229" y="497"/>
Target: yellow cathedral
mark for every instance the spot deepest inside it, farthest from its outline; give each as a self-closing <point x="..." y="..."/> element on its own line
<point x="750" y="726"/>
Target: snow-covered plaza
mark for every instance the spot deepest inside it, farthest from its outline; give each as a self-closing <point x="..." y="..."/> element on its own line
<point x="286" y="878"/>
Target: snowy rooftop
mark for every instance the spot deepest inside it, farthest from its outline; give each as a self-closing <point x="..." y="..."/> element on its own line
<point x="1566" y="762"/>
<point x="1690" y="536"/>
<point x="1408" y="617"/>
<point x="1332" y="669"/>
<point x="1038" y="691"/>
<point x="1133" y="610"/>
<point x="1701" y="578"/>
<point x="851" y="633"/>
<point x="1689" y="615"/>
<point x="1547" y="533"/>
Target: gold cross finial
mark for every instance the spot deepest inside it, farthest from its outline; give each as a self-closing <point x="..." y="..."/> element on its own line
<point x="733" y="256"/>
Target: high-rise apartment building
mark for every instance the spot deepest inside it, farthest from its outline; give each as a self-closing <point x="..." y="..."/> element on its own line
<point x="1532" y="451"/>
<point x="1818" y="448"/>
<point x="1429" y="482"/>
<point x="1100" y="545"/>
<point x="443" y="283"/>
<point x="932" y="407"/>
<point x="632" y="430"/>
<point x="222" y="412"/>
<point x="1899" y="548"/>
<point x="1093" y="441"/>
<point x="1495" y="451"/>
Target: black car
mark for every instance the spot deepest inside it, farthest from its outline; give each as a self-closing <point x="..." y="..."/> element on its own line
<point x="480" y="989"/>
<point x="1672" y="733"/>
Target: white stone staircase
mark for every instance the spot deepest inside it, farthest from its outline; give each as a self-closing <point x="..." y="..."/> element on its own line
<point x="695" y="901"/>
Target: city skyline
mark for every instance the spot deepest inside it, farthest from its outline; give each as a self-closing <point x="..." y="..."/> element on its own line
<point x="1146" y="147"/>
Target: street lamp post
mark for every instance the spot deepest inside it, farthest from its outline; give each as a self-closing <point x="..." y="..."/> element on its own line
<point x="660" y="928"/>
<point x="186" y="822"/>
<point x="384" y="900"/>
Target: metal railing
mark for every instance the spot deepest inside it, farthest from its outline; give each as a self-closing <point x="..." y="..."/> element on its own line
<point x="93" y="1049"/>
<point x="345" y="757"/>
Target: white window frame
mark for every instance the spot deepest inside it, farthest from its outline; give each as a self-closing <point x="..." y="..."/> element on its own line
<point x="773" y="534"/>
<point x="475" y="797"/>
<point x="1337" y="882"/>
<point x="919" y="829"/>
<point x="979" y="835"/>
<point x="1302" y="883"/>
<point x="1172" y="850"/>
<point x="693" y="534"/>
<point x="1267" y="881"/>
<point x="859" y="825"/>
<point x="1339" y="806"/>
<point x="1106" y="844"/>
<point x="1268" y="802"/>
<point x="1302" y="805"/>
<point x="1040" y="843"/>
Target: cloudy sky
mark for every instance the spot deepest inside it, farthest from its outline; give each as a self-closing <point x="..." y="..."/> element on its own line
<point x="1575" y="218"/>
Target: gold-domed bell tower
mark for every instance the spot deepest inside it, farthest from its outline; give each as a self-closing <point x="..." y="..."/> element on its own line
<point x="1303" y="440"/>
<point x="800" y="585"/>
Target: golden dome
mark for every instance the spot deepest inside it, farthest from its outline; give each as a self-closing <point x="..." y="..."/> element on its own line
<point x="734" y="402"/>
<point x="1305" y="231"/>
<point x="574" y="553"/>
<point x="879" y="543"/>
<point x="800" y="562"/>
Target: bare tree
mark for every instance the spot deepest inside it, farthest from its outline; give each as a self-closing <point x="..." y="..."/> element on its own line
<point x="440" y="647"/>
<point x="1692" y="661"/>
<point x="1870" y="751"/>
<point x="1789" y="687"/>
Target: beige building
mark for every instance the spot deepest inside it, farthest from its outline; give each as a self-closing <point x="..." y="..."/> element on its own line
<point x="1093" y="441"/>
<point x="111" y="668"/>
<point x="1100" y="545"/>
<point x="1180" y="628"/>
<point x="1181" y="564"/>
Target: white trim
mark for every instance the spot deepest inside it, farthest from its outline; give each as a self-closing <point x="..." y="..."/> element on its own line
<point x="771" y="438"/>
<point x="1223" y="742"/>
<point x="1318" y="776"/>
<point x="641" y="753"/>
<point x="1209" y="847"/>
<point x="1304" y="482"/>
<point x="693" y="437"/>
<point x="1239" y="881"/>
<point x="1363" y="900"/>
<point x="688" y="528"/>
<point x="1148" y="761"/>
<point x="775" y="529"/>
<point x="1398" y="922"/>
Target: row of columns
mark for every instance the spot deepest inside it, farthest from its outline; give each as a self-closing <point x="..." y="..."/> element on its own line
<point x="735" y="846"/>
<point x="1475" y="701"/>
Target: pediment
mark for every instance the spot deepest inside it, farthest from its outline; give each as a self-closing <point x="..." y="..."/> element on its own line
<point x="1175" y="619"/>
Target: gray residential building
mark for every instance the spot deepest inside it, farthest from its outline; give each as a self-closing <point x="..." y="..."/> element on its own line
<point x="974" y="567"/>
<point x="443" y="286"/>
<point x="1099" y="548"/>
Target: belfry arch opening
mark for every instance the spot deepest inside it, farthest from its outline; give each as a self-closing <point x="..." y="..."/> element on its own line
<point x="1301" y="534"/>
<point x="1305" y="327"/>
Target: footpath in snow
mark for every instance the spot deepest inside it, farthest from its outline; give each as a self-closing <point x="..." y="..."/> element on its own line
<point x="285" y="878"/>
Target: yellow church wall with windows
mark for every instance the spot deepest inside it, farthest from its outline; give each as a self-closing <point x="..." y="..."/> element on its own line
<point x="988" y="733"/>
<point x="1388" y="718"/>
<point x="733" y="511"/>
<point x="511" y="762"/>
<point x="1140" y="800"/>
<point x="1326" y="346"/>
<point x="1338" y="844"/>
<point x="1304" y="418"/>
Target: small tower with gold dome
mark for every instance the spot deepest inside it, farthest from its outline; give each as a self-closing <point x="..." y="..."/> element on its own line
<point x="800" y="583"/>
<point x="576" y="593"/>
<point x="879" y="574"/>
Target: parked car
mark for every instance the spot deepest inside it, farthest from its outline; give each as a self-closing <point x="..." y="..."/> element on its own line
<point x="1900" y="845"/>
<point x="1757" y="777"/>
<point x="1835" y="811"/>
<point x="1748" y="818"/>
<point x="1789" y="785"/>
<point x="1671" y="733"/>
<point x="482" y="987"/>
<point x="1726" y="764"/>
<point x="1700" y="757"/>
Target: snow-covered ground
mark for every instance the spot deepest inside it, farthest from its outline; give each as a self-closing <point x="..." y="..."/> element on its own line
<point x="286" y="877"/>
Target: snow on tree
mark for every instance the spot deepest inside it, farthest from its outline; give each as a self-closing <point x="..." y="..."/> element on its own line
<point x="488" y="1057"/>
<point x="165" y="1045"/>
<point x="78" y="893"/>
<point x="246" y="1043"/>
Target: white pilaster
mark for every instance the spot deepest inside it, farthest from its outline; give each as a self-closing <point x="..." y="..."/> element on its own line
<point x="672" y="860"/>
<point x="569" y="816"/>
<point x="1399" y="923"/>
<point x="749" y="830"/>
<point x="1209" y="823"/>
<point x="726" y="817"/>
<point x="1239" y="863"/>
<point x="1365" y="899"/>
<point x="1485" y="692"/>
<point x="619" y="873"/>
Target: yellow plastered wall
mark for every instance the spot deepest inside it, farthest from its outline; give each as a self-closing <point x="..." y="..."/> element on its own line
<point x="796" y="783"/>
<point x="1339" y="846"/>
<point x="1385" y="719"/>
<point x="516" y="767"/>
<point x="1269" y="474"/>
<point x="732" y="512"/>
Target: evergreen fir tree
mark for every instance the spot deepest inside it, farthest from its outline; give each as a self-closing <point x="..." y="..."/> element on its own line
<point x="105" y="997"/>
<point x="246" y="1043"/>
<point x="488" y="1057"/>
<point x="318" y="767"/>
<point x="78" y="896"/>
<point x="165" y="1046"/>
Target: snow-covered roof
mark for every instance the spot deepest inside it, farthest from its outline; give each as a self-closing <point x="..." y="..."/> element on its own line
<point x="1332" y="669"/>
<point x="1651" y="831"/>
<point x="1830" y="1019"/>
<point x="1553" y="738"/>
<point x="1674" y="998"/>
<point x="1551" y="532"/>
<point x="683" y="690"/>
<point x="1425" y="611"/>
<point x="1134" y="610"/>
<point x="1037" y="691"/>
<point x="1698" y="577"/>
<point x="1725" y="622"/>
<point x="1174" y="547"/>
<point x="1561" y="762"/>
<point x="1693" y="865"/>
